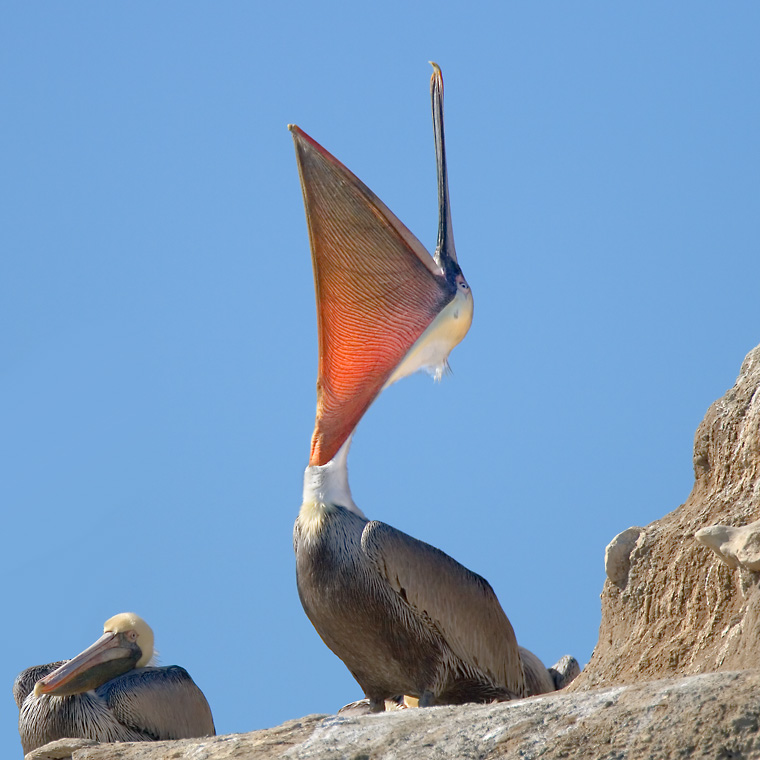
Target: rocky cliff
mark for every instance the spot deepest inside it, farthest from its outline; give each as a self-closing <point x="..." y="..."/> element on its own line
<point x="675" y="606"/>
<point x="671" y="605"/>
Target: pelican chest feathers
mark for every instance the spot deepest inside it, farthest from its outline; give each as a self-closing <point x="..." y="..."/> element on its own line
<point x="109" y="692"/>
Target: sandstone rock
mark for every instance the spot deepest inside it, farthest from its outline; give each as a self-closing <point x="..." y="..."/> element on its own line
<point x="736" y="547"/>
<point x="60" y="749"/>
<point x="680" y="610"/>
<point x="708" y="716"/>
<point x="617" y="555"/>
<point x="564" y="671"/>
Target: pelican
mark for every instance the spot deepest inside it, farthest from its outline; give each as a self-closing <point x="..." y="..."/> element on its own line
<point x="110" y="693"/>
<point x="405" y="618"/>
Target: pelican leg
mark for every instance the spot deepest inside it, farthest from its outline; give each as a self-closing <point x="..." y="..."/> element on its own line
<point x="427" y="699"/>
<point x="376" y="705"/>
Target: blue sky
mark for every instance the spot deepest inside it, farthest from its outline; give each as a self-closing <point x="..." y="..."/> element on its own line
<point x="158" y="335"/>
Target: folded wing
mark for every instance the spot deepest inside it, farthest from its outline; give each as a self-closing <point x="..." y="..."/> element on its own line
<point x="161" y="703"/>
<point x="460" y="603"/>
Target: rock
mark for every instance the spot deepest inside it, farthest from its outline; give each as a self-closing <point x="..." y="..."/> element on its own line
<point x="617" y="556"/>
<point x="60" y="749"/>
<point x="564" y="671"/>
<point x="736" y="547"/>
<point x="678" y="610"/>
<point x="707" y="716"/>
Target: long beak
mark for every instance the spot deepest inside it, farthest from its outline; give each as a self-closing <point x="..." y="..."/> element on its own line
<point x="108" y="657"/>
<point x="377" y="291"/>
<point x="445" y="252"/>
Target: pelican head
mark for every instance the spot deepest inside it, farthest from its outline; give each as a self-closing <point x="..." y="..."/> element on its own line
<point x="385" y="307"/>
<point x="126" y="643"/>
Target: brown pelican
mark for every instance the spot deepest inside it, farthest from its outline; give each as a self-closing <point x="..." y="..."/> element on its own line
<point x="110" y="693"/>
<point x="404" y="617"/>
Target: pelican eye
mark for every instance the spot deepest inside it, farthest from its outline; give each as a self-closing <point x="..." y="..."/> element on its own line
<point x="132" y="635"/>
<point x="462" y="283"/>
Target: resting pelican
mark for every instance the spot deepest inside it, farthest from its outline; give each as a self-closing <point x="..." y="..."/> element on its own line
<point x="404" y="617"/>
<point x="110" y="693"/>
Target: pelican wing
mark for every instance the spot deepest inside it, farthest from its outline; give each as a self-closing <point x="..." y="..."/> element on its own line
<point x="460" y="603"/>
<point x="377" y="291"/>
<point x="161" y="703"/>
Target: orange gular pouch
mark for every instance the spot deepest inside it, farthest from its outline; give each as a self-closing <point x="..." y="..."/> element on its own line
<point x="377" y="291"/>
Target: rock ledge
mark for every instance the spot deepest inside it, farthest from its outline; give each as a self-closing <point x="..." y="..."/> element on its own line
<point x="715" y="715"/>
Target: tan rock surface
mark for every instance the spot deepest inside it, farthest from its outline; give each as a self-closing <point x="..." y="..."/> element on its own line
<point x="680" y="609"/>
<point x="736" y="547"/>
<point x="60" y="749"/>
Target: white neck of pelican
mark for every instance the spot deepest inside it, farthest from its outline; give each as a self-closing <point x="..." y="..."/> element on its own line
<point x="326" y="487"/>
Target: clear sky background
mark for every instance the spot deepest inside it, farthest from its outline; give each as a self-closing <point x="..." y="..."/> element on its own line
<point x="157" y="327"/>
